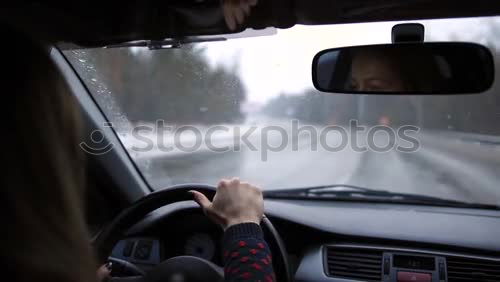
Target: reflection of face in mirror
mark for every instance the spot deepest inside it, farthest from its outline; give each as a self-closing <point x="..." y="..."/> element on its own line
<point x="372" y="73"/>
<point x="392" y="70"/>
<point x="406" y="68"/>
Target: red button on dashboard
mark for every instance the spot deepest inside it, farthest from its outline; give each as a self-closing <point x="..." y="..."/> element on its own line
<point x="414" y="277"/>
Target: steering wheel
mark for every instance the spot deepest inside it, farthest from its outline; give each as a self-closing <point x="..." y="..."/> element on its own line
<point x="180" y="268"/>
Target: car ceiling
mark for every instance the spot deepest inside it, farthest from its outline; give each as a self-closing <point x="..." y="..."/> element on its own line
<point x="91" y="23"/>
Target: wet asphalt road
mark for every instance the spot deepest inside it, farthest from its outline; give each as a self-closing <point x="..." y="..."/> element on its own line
<point x="452" y="166"/>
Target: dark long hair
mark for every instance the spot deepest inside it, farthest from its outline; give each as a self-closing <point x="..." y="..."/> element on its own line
<point x="44" y="236"/>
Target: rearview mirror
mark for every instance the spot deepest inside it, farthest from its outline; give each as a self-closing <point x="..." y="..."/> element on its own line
<point x="405" y="68"/>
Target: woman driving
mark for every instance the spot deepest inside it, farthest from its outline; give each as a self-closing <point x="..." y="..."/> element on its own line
<point x="46" y="238"/>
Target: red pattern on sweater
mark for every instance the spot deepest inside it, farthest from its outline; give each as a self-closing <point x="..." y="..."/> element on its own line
<point x="249" y="260"/>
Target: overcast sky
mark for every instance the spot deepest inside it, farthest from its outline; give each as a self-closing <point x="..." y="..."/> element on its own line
<point x="281" y="63"/>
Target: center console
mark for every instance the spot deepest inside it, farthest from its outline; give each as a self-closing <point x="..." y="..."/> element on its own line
<point x="407" y="267"/>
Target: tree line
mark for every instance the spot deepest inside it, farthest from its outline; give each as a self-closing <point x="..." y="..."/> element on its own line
<point x="181" y="87"/>
<point x="175" y="85"/>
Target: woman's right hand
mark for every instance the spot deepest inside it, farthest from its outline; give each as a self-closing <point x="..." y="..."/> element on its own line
<point x="235" y="202"/>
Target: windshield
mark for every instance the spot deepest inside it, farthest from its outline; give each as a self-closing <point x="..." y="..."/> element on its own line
<point x="246" y="107"/>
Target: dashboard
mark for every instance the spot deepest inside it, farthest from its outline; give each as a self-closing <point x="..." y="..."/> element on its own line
<point x="185" y="232"/>
<point x="339" y="241"/>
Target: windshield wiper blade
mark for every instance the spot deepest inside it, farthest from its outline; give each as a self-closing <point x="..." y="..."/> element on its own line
<point x="326" y="190"/>
<point x="343" y="192"/>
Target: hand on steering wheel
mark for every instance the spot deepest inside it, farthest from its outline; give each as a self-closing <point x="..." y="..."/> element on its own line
<point x="193" y="268"/>
<point x="235" y="202"/>
<point x="104" y="272"/>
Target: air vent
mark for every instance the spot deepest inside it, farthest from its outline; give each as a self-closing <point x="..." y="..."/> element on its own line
<point x="354" y="263"/>
<point x="467" y="269"/>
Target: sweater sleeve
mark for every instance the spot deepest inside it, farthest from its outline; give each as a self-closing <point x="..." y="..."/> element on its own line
<point x="246" y="255"/>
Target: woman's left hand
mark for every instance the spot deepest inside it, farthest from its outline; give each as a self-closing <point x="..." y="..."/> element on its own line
<point x="235" y="11"/>
<point x="104" y="272"/>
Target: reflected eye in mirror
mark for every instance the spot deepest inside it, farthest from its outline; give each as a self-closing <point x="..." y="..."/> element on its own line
<point x="378" y="85"/>
<point x="405" y="68"/>
<point x="353" y="85"/>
